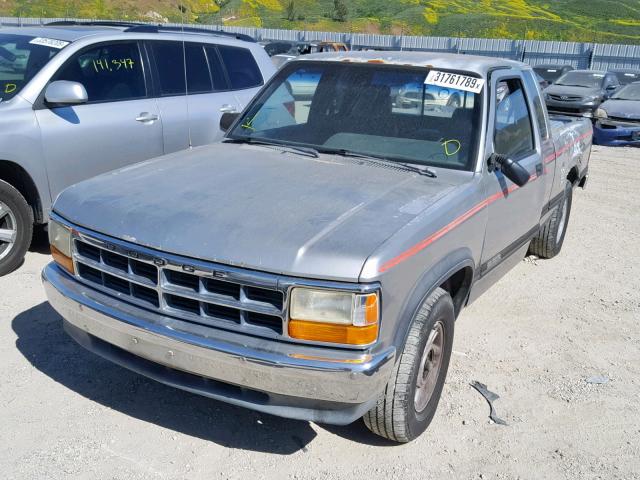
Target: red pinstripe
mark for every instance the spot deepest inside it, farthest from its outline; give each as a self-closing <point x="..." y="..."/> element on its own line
<point x="470" y="213"/>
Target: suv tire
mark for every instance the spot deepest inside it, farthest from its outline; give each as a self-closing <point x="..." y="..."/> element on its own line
<point x="409" y="402"/>
<point x="548" y="242"/>
<point x="16" y="228"/>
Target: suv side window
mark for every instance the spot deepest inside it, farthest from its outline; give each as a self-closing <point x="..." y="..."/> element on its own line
<point x="170" y="63"/>
<point x="109" y="72"/>
<point x="513" y="127"/>
<point x="241" y="67"/>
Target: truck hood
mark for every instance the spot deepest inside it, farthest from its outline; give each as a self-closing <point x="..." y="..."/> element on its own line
<point x="257" y="207"/>
<point x="573" y="91"/>
<point x="622" y="108"/>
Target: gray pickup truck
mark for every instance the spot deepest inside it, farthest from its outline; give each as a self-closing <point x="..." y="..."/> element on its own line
<point x="312" y="264"/>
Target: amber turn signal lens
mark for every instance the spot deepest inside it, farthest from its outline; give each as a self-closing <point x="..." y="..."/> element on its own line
<point x="333" y="333"/>
<point x="62" y="260"/>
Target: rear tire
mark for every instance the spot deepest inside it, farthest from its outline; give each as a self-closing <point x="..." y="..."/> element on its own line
<point x="550" y="238"/>
<point x="16" y="228"/>
<point x="407" y="406"/>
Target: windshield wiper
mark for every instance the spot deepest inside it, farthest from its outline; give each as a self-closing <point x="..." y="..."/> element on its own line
<point x="311" y="152"/>
<point x="426" y="171"/>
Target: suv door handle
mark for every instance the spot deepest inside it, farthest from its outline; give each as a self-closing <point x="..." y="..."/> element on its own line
<point x="146" y="117"/>
<point x="226" y="108"/>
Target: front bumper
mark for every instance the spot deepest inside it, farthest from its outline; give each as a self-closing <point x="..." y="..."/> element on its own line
<point x="611" y="135"/>
<point x="295" y="381"/>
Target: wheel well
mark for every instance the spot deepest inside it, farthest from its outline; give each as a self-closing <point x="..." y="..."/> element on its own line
<point x="17" y="177"/>
<point x="458" y="286"/>
<point x="573" y="176"/>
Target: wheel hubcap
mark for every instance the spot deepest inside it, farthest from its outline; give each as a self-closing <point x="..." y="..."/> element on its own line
<point x="8" y="230"/>
<point x="563" y="219"/>
<point x="429" y="367"/>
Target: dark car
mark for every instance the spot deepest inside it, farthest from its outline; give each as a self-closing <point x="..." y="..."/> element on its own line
<point x="627" y="75"/>
<point x="619" y="118"/>
<point x="551" y="73"/>
<point x="580" y="92"/>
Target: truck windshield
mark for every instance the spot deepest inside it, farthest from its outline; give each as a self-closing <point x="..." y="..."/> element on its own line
<point x="581" y="79"/>
<point x="20" y="60"/>
<point x="370" y="109"/>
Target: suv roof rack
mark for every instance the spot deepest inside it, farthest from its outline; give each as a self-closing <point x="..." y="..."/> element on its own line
<point x="151" y="28"/>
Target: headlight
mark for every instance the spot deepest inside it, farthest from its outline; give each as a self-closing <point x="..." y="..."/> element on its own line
<point x="60" y="242"/>
<point x="601" y="113"/>
<point x="334" y="316"/>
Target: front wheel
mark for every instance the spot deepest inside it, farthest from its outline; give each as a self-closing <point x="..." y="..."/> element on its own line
<point x="407" y="406"/>
<point x="16" y="228"/>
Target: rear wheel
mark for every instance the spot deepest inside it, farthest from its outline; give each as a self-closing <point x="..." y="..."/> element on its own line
<point x="407" y="406"/>
<point x="549" y="241"/>
<point x="16" y="228"/>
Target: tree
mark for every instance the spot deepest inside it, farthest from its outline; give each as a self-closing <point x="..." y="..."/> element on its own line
<point x="290" y="10"/>
<point x="340" y="11"/>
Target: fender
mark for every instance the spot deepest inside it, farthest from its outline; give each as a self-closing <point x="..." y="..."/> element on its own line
<point x="430" y="280"/>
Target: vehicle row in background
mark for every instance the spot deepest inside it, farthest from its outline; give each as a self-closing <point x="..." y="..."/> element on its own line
<point x="78" y="100"/>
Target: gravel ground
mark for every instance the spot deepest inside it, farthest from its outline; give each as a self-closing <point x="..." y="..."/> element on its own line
<point x="534" y="339"/>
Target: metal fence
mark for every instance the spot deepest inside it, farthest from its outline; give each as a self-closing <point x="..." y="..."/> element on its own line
<point x="534" y="52"/>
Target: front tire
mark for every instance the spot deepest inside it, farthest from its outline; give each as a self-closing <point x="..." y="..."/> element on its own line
<point x="549" y="241"/>
<point x="407" y="406"/>
<point x="16" y="228"/>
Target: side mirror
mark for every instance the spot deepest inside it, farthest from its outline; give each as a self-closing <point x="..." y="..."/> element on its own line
<point x="512" y="170"/>
<point x="63" y="92"/>
<point x="227" y="119"/>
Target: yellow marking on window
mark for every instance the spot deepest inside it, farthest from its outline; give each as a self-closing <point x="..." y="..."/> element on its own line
<point x="10" y="88"/>
<point x="448" y="151"/>
<point x="113" y="65"/>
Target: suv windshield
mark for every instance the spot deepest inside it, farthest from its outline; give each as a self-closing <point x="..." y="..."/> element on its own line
<point x="20" y="60"/>
<point x="581" y="79"/>
<point x="629" y="92"/>
<point x="368" y="109"/>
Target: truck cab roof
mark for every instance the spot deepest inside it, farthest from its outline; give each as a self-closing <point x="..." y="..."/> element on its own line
<point x="470" y="63"/>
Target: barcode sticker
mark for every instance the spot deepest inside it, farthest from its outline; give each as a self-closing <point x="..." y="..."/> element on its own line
<point x="49" y="42"/>
<point x="455" y="80"/>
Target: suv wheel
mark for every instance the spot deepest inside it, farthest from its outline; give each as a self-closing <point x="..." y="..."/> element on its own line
<point x="16" y="228"/>
<point x="407" y="406"/>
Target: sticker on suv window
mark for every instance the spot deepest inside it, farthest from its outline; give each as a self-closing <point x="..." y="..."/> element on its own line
<point x="455" y="80"/>
<point x="49" y="42"/>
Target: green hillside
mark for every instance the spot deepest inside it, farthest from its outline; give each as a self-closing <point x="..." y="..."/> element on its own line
<point x="570" y="20"/>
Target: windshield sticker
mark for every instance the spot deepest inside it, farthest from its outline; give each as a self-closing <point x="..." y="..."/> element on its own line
<point x="455" y="80"/>
<point x="49" y="42"/>
<point x="10" y="87"/>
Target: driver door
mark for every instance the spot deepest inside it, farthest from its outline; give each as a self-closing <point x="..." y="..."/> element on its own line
<point x="118" y="126"/>
<point x="513" y="212"/>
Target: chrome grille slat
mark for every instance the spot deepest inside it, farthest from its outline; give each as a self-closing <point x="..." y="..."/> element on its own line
<point x="130" y="277"/>
<point x="243" y="302"/>
<point x="248" y="305"/>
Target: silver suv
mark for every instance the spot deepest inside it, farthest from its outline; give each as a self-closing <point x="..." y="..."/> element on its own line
<point x="77" y="100"/>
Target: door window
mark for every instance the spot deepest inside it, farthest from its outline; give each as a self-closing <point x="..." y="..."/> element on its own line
<point x="170" y="64"/>
<point x="513" y="128"/>
<point x="109" y="72"/>
<point x="241" y="67"/>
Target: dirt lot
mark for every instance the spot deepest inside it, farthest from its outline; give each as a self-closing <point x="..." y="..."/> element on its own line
<point x="534" y="339"/>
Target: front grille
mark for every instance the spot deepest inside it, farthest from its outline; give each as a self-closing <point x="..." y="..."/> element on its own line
<point x="193" y="295"/>
<point x="565" y="98"/>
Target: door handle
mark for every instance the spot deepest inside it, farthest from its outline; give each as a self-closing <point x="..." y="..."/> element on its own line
<point x="226" y="108"/>
<point x="146" y="117"/>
